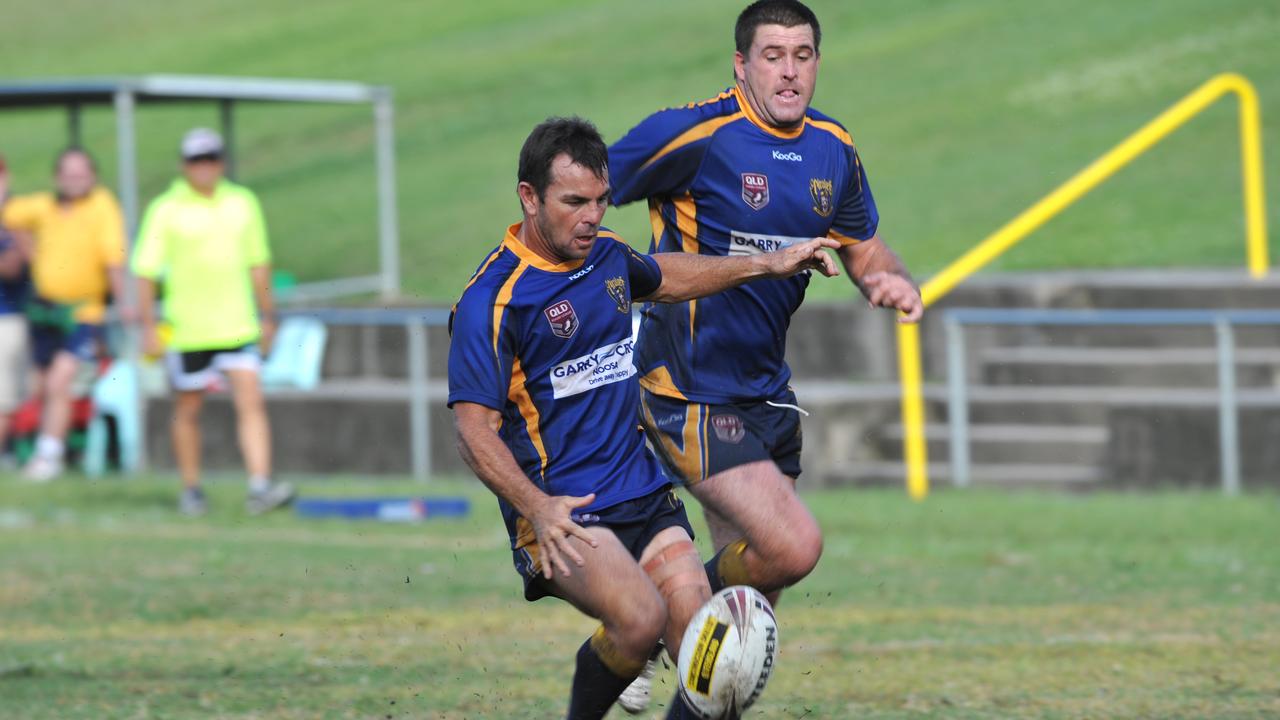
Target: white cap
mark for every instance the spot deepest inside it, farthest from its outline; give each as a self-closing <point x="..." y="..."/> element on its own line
<point x="201" y="141"/>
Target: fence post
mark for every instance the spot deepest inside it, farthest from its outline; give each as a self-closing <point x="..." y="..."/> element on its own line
<point x="1228" y="426"/>
<point x="419" y="415"/>
<point x="957" y="401"/>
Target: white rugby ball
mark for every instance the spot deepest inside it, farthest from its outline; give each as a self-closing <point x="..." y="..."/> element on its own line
<point x="728" y="653"/>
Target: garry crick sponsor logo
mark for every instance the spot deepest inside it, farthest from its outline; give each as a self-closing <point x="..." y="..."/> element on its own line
<point x="741" y="243"/>
<point x="788" y="156"/>
<point x="605" y="365"/>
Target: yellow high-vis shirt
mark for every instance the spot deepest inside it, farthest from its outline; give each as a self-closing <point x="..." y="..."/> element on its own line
<point x="203" y="248"/>
<point x="75" y="243"/>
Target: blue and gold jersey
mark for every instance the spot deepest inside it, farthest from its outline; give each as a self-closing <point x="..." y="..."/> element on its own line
<point x="549" y="346"/>
<point x="721" y="182"/>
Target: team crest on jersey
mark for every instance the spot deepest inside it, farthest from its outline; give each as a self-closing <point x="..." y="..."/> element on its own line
<point x="564" y="321"/>
<point x="728" y="428"/>
<point x="617" y="289"/>
<point x="755" y="190"/>
<point x="823" y="197"/>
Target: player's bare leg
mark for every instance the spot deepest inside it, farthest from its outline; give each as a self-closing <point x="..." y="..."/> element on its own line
<point x="612" y="587"/>
<point x="764" y="535"/>
<point x="672" y="563"/>
<point x="185" y="431"/>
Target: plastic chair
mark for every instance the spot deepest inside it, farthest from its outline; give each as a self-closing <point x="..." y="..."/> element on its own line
<point x="114" y="394"/>
<point x="297" y="354"/>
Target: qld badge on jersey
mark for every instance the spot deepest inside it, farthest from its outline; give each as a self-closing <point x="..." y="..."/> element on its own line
<point x="755" y="190"/>
<point x="563" y="320"/>
<point x="617" y="289"/>
<point x="823" y="196"/>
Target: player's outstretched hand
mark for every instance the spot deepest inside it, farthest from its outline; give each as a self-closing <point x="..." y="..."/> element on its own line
<point x="808" y="255"/>
<point x="552" y="525"/>
<point x="890" y="290"/>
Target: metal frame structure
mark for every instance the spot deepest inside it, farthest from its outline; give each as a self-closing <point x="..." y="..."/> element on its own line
<point x="126" y="94"/>
<point x="1223" y="322"/>
<point x="910" y="372"/>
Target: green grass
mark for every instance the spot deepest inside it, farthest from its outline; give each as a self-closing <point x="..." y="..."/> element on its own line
<point x="966" y="112"/>
<point x="970" y="605"/>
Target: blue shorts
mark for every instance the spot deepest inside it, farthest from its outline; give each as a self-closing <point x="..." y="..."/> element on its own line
<point x="695" y="441"/>
<point x="47" y="341"/>
<point x="635" y="522"/>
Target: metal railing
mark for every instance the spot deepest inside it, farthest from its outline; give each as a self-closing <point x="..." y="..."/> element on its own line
<point x="1223" y="322"/>
<point x="415" y="322"/>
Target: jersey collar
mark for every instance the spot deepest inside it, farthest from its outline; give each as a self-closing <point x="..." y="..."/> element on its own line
<point x="512" y="242"/>
<point x="750" y="113"/>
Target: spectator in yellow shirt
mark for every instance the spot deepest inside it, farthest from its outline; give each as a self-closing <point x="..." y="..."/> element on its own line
<point x="77" y="252"/>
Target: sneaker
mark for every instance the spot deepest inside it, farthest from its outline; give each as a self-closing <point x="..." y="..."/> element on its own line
<point x="277" y="495"/>
<point x="192" y="502"/>
<point x="42" y="469"/>
<point x="636" y="697"/>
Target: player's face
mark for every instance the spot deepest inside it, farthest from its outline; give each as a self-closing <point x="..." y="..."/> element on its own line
<point x="778" y="74"/>
<point x="204" y="172"/>
<point x="75" y="177"/>
<point x="568" y="216"/>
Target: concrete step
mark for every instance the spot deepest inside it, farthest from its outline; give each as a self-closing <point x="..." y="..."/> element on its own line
<point x="1011" y="443"/>
<point x="1179" y="367"/>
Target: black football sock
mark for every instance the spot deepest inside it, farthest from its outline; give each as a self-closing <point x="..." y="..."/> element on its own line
<point x="601" y="676"/>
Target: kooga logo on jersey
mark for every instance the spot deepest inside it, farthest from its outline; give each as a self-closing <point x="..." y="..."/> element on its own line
<point x="605" y="365"/>
<point x="789" y="156"/>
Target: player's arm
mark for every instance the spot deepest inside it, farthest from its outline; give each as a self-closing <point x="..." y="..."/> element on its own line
<point x="872" y="266"/>
<point x="491" y="460"/>
<point x="686" y="276"/>
<point x="882" y="277"/>
<point x="658" y="157"/>
<point x="260" y="278"/>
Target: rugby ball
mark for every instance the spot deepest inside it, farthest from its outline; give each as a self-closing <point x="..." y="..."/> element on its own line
<point x="728" y="653"/>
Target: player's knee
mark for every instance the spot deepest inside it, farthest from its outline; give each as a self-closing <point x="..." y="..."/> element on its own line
<point x="642" y="625"/>
<point x="798" y="556"/>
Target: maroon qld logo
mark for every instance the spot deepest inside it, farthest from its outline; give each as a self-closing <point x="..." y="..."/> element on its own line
<point x="728" y="428"/>
<point x="755" y="190"/>
<point x="564" y="321"/>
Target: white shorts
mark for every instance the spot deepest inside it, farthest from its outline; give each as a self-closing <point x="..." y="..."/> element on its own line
<point x="14" y="359"/>
<point x="201" y="369"/>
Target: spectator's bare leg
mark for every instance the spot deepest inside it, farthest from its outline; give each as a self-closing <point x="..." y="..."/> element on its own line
<point x="56" y="418"/>
<point x="251" y="422"/>
<point x="186" y="435"/>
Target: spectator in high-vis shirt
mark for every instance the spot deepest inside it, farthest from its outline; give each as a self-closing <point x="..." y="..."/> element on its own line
<point x="206" y="240"/>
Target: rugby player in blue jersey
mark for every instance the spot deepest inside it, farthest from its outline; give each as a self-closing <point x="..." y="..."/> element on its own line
<point x="545" y="401"/>
<point x="748" y="171"/>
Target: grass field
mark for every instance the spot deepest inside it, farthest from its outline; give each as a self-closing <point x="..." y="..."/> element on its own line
<point x="966" y="112"/>
<point x="970" y="605"/>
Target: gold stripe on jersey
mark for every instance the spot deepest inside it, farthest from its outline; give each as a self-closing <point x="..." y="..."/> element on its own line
<point x="842" y="239"/>
<point x="519" y="394"/>
<point x="687" y="224"/>
<point x="832" y="128"/>
<point x="659" y="382"/>
<point x="704" y="129"/>
<point x="500" y="303"/>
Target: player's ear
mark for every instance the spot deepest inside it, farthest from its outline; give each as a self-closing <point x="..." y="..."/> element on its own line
<point x="739" y="72"/>
<point x="528" y="198"/>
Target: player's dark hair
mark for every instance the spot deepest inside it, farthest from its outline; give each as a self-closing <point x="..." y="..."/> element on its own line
<point x="787" y="13"/>
<point x="74" y="150"/>
<point x="572" y="136"/>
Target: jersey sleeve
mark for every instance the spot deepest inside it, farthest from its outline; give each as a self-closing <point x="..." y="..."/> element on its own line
<point x="856" y="217"/>
<point x="149" y="248"/>
<point x="22" y="213"/>
<point x="660" y="156"/>
<point x="256" y="250"/>
<point x="643" y="273"/>
<point x="481" y="349"/>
